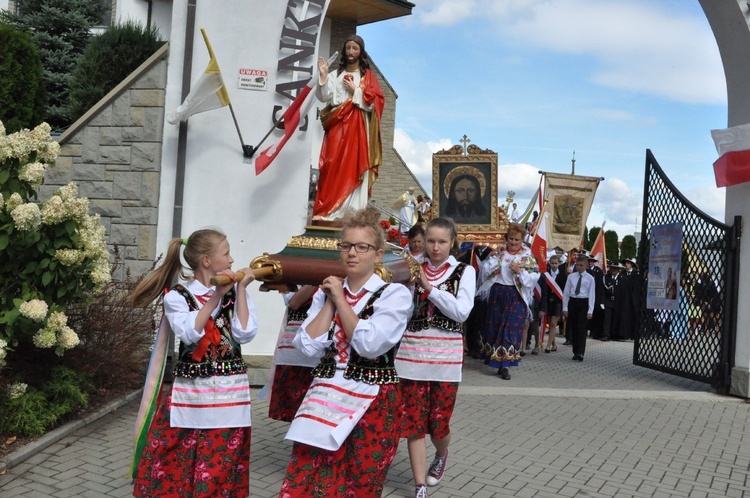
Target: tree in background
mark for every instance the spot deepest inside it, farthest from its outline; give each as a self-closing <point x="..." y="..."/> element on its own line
<point x="585" y="240"/>
<point x="22" y="98"/>
<point x="129" y="44"/>
<point x="628" y="248"/>
<point x="60" y="30"/>
<point x="611" y="242"/>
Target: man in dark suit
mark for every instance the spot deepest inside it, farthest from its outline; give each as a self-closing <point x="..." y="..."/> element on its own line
<point x="596" y="324"/>
<point x="611" y="280"/>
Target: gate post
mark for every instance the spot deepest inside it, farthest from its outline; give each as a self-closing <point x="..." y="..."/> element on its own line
<point x="730" y="27"/>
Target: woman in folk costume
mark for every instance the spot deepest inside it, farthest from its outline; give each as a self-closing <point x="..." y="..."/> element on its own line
<point x="194" y="440"/>
<point x="508" y="291"/>
<point x="346" y="431"/>
<point x="352" y="149"/>
<point x="430" y="356"/>
<point x="292" y="370"/>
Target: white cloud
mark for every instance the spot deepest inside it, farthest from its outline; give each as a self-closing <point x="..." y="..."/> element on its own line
<point x="442" y="13"/>
<point x="418" y="155"/>
<point x="618" y="203"/>
<point x="709" y="199"/>
<point x="639" y="46"/>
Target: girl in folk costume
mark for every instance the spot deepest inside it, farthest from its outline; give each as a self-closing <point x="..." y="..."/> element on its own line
<point x="346" y="431"/>
<point x="292" y="370"/>
<point x="430" y="357"/>
<point x="508" y="291"/>
<point x="194" y="440"/>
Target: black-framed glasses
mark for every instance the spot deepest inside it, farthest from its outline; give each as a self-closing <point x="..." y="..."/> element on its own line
<point x="360" y="247"/>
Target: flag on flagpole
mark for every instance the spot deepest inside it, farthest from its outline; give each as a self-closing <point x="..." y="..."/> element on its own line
<point x="733" y="146"/>
<point x="300" y="106"/>
<point x="208" y="93"/>
<point x="599" y="250"/>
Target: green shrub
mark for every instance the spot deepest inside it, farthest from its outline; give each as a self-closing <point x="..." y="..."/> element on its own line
<point x="108" y="59"/>
<point x="21" y="90"/>
<point x="60" y="30"/>
<point x="59" y="394"/>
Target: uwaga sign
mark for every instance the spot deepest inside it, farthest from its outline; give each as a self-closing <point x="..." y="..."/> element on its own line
<point x="302" y="23"/>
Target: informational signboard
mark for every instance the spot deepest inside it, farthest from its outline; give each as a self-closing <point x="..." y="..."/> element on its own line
<point x="664" y="267"/>
<point x="252" y="79"/>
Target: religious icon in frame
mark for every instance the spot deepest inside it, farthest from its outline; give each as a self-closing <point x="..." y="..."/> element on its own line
<point x="464" y="185"/>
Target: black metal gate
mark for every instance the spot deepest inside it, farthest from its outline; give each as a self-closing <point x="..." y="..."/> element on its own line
<point x="697" y="340"/>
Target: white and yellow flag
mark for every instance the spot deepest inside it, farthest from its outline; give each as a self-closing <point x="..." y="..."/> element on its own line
<point x="569" y="199"/>
<point x="209" y="92"/>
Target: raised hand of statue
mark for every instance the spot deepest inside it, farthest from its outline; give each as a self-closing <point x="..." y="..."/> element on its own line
<point x="323" y="69"/>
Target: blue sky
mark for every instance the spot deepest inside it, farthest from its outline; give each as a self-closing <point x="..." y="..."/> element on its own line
<point x="535" y="80"/>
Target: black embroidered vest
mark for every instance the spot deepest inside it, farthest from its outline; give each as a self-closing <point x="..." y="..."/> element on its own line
<point x="425" y="315"/>
<point x="380" y="370"/>
<point x="224" y="359"/>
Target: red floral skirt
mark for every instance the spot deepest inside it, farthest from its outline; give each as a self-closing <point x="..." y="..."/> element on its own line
<point x="358" y="469"/>
<point x="427" y="408"/>
<point x="290" y="384"/>
<point x="179" y="462"/>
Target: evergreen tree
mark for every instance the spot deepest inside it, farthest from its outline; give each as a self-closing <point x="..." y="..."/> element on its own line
<point x="21" y="90"/>
<point x="585" y="239"/>
<point x="628" y="248"/>
<point x="94" y="76"/>
<point x="613" y="249"/>
<point x="60" y="30"/>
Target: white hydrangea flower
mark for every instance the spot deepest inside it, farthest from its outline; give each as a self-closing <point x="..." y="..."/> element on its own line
<point x="67" y="338"/>
<point x="2" y="201"/>
<point x="68" y="192"/>
<point x="100" y="273"/>
<point x="13" y="201"/>
<point x="45" y="338"/>
<point x="69" y="257"/>
<point x="53" y="211"/>
<point x="27" y="217"/>
<point x="32" y="173"/>
<point x="17" y="389"/>
<point x="57" y="320"/>
<point x="2" y="129"/>
<point x="48" y="152"/>
<point x="35" y="310"/>
<point x="78" y="208"/>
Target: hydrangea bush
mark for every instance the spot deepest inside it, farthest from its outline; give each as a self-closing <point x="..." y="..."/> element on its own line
<point x="52" y="254"/>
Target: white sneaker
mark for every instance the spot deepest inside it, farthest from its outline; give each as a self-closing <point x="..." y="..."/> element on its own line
<point x="420" y="491"/>
<point x="437" y="469"/>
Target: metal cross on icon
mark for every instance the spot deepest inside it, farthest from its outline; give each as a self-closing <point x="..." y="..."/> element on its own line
<point x="465" y="141"/>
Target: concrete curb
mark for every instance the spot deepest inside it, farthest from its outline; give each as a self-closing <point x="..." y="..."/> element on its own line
<point x="52" y="437"/>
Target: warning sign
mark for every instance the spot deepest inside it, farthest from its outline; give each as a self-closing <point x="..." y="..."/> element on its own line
<point x="252" y="79"/>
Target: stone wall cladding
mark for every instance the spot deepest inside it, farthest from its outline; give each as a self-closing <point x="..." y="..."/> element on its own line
<point x="114" y="155"/>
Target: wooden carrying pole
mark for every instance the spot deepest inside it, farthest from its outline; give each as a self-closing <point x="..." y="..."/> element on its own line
<point x="258" y="273"/>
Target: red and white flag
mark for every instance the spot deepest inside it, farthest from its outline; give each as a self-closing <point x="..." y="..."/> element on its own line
<point x="599" y="251"/>
<point x="300" y="107"/>
<point x="733" y="146"/>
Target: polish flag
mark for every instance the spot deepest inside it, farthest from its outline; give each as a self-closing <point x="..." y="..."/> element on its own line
<point x="291" y="118"/>
<point x="733" y="146"/>
<point x="599" y="251"/>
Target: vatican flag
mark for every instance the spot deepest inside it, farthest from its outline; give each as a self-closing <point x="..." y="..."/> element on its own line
<point x="208" y="93"/>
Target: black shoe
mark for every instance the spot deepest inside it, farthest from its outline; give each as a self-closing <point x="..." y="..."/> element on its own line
<point x="567" y="343"/>
<point x="522" y="353"/>
<point x="604" y="339"/>
<point x="504" y="373"/>
<point x="577" y="357"/>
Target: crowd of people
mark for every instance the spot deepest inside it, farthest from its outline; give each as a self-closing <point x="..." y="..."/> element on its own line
<point x="360" y="363"/>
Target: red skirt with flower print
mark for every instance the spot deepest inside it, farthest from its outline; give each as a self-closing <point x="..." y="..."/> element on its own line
<point x="356" y="470"/>
<point x="179" y="462"/>
<point x="427" y="408"/>
<point x="290" y="384"/>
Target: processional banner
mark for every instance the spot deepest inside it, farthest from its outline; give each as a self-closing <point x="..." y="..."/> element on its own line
<point x="568" y="199"/>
